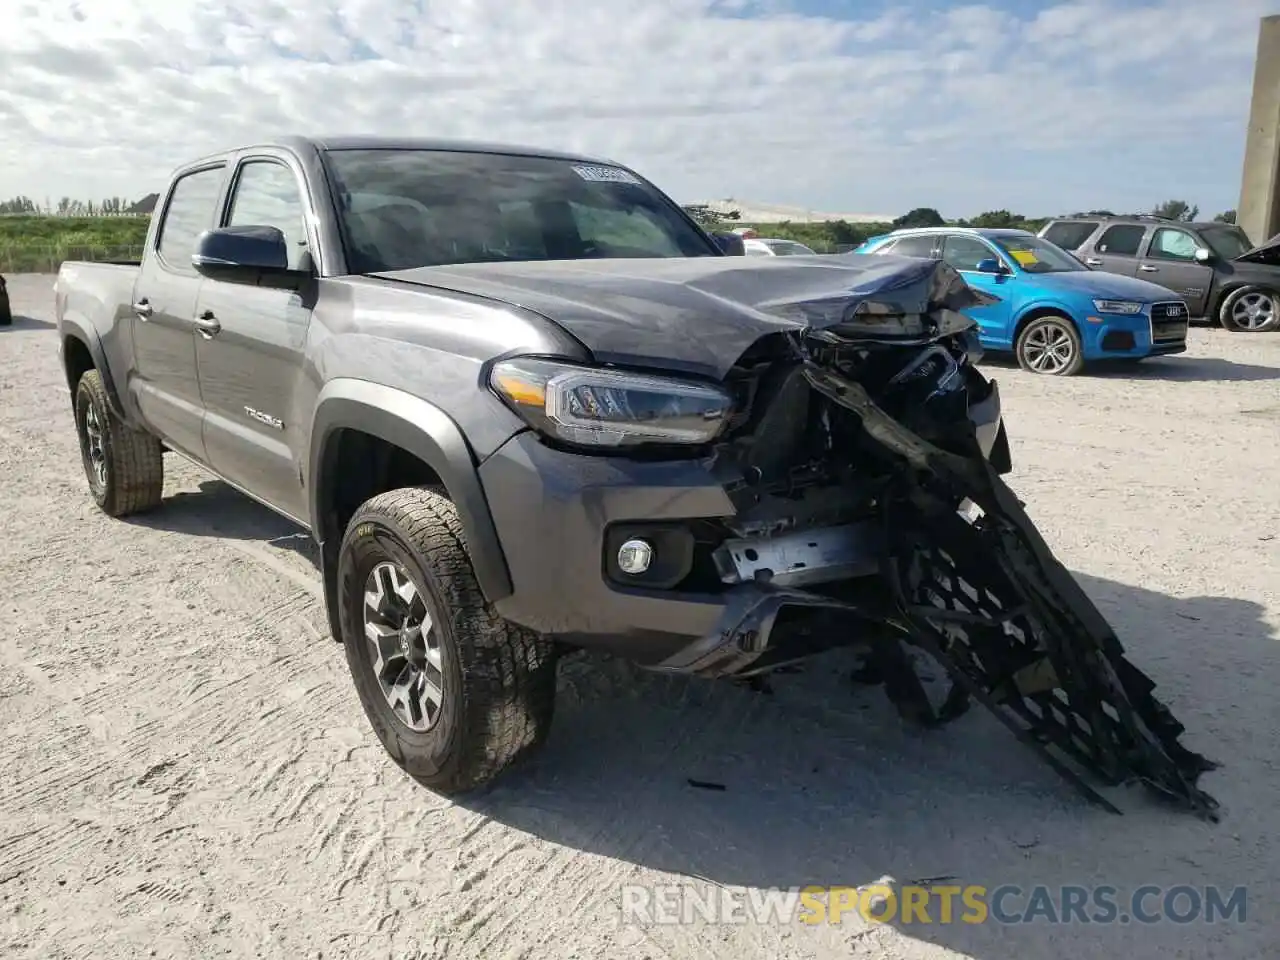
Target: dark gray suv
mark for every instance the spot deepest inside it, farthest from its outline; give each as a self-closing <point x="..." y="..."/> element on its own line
<point x="1214" y="267"/>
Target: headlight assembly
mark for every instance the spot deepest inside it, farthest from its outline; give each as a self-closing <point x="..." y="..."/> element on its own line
<point x="1126" y="307"/>
<point x="610" y="408"/>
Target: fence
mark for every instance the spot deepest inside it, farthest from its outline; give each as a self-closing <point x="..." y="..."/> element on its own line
<point x="79" y="214"/>
<point x="27" y="259"/>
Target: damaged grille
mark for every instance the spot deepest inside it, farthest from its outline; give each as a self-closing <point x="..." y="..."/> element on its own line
<point x="977" y="589"/>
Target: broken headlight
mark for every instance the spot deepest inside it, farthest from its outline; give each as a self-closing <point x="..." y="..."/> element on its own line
<point x="610" y="408"/>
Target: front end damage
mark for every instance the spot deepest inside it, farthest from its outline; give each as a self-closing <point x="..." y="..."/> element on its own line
<point x="866" y="472"/>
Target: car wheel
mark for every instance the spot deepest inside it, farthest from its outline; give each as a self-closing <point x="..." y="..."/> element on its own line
<point x="1250" y="310"/>
<point x="1050" y="345"/>
<point x="455" y="693"/>
<point x="124" y="467"/>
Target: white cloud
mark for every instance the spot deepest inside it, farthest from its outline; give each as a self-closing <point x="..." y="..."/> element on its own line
<point x="1085" y="103"/>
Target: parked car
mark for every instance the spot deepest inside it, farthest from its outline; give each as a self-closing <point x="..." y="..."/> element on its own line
<point x="1213" y="267"/>
<point x="526" y="405"/>
<point x="1053" y="313"/>
<point x="772" y="247"/>
<point x="6" y="312"/>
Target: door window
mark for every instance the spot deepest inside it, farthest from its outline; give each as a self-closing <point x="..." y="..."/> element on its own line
<point x="1170" y="244"/>
<point x="1122" y="240"/>
<point x="267" y="195"/>
<point x="1070" y="234"/>
<point x="965" y="253"/>
<point x="912" y="247"/>
<point x="189" y="213"/>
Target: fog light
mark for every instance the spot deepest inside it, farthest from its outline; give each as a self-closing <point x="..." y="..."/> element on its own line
<point x="634" y="557"/>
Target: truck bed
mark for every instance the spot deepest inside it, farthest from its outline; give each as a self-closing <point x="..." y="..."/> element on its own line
<point x="99" y="292"/>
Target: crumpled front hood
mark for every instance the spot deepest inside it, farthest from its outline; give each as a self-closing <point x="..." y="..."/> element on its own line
<point x="1103" y="286"/>
<point x="1267" y="253"/>
<point x="700" y="314"/>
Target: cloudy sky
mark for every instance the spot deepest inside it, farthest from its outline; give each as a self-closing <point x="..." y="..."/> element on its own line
<point x="852" y="106"/>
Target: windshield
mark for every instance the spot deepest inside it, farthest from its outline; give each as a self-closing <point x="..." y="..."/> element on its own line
<point x="789" y="248"/>
<point x="1227" y="241"/>
<point x="414" y="208"/>
<point x="1035" y="255"/>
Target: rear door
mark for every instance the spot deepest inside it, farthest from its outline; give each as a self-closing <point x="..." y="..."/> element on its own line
<point x="1116" y="249"/>
<point x="1170" y="260"/>
<point x="250" y="354"/>
<point x="163" y="379"/>
<point x="965" y="252"/>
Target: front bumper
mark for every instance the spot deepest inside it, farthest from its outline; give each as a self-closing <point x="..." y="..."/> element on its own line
<point x="1109" y="336"/>
<point x="558" y="515"/>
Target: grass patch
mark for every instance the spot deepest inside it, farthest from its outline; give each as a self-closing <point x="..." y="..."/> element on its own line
<point x="37" y="244"/>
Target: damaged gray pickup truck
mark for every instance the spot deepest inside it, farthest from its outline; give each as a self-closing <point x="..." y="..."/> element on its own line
<point x="525" y="405"/>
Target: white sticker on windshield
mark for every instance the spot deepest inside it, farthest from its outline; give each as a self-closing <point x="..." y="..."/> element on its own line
<point x="605" y="174"/>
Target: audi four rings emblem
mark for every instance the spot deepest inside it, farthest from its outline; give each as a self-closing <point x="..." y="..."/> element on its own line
<point x="1174" y="311"/>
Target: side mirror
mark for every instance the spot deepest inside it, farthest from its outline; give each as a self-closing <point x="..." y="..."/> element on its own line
<point x="730" y="244"/>
<point x="1202" y="255"/>
<point x="242" y="254"/>
<point x="991" y="265"/>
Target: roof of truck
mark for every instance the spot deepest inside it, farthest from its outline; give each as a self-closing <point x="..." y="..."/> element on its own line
<point x="349" y="142"/>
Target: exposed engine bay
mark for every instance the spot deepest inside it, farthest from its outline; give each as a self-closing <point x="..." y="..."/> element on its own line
<point x="867" y="480"/>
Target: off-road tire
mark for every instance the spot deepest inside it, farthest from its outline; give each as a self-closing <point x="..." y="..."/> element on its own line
<point x="499" y="678"/>
<point x="1229" y="302"/>
<point x="134" y="461"/>
<point x="1055" y="321"/>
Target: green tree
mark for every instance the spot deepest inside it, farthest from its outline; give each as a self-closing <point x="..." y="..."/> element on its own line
<point x="707" y="218"/>
<point x="920" y="217"/>
<point x="1176" y="210"/>
<point x="1226" y="216"/>
<point x="996" y="219"/>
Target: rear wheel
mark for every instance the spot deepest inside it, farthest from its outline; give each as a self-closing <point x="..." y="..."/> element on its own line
<point x="1050" y="345"/>
<point x="455" y="693"/>
<point x="124" y="467"/>
<point x="1250" y="310"/>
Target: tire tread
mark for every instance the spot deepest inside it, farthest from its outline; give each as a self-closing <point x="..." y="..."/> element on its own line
<point x="508" y="671"/>
<point x="136" y="458"/>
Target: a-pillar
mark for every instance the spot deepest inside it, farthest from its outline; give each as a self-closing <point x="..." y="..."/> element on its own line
<point x="1259" y="210"/>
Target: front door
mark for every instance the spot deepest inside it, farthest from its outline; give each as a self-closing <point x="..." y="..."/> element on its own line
<point x="251" y="347"/>
<point x="1116" y="250"/>
<point x="994" y="321"/>
<point x="163" y="376"/>
<point x="1171" y="262"/>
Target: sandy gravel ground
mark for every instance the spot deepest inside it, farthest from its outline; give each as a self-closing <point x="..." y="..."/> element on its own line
<point x="185" y="770"/>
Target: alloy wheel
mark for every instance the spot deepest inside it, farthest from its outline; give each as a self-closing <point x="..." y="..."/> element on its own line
<point x="1049" y="348"/>
<point x="94" y="445"/>
<point x="1254" y="311"/>
<point x="406" y="656"/>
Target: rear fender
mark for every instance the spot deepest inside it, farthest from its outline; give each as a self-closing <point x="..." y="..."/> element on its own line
<point x="77" y="328"/>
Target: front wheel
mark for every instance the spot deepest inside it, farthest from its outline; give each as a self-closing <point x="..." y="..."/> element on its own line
<point x="1250" y="310"/>
<point x="455" y="693"/>
<point x="1050" y="345"/>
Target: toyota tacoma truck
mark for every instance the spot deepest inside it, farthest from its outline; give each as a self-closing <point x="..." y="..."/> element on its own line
<point x="526" y="406"/>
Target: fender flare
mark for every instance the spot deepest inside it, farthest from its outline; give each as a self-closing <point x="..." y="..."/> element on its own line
<point x="427" y="432"/>
<point x="75" y="327"/>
